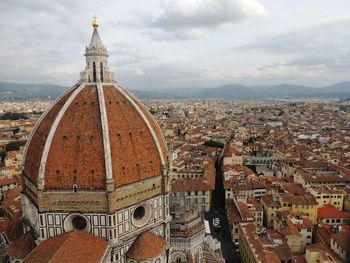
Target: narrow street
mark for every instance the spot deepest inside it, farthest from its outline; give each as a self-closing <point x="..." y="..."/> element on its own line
<point x="218" y="210"/>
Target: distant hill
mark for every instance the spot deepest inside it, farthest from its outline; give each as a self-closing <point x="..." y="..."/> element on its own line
<point x="15" y="91"/>
<point x="236" y="91"/>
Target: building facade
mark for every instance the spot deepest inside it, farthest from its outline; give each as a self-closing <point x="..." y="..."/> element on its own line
<point x="97" y="162"/>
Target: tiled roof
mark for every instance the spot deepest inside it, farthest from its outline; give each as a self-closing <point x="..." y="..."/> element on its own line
<point x="21" y="247"/>
<point x="269" y="201"/>
<point x="187" y="185"/>
<point x="245" y="185"/>
<point x="8" y="180"/>
<point x="147" y="246"/>
<point x="74" y="246"/>
<point x="12" y="201"/>
<point x="329" y="211"/>
<point x="138" y="149"/>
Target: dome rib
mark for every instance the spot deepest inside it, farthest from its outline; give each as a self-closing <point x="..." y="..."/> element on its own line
<point x="153" y="123"/>
<point x="105" y="133"/>
<point x="52" y="132"/>
<point x="145" y="119"/>
<point x="96" y="137"/>
<point x="37" y="124"/>
<point x="38" y="137"/>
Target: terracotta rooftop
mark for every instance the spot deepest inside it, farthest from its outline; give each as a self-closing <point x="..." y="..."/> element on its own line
<point x="187" y="185"/>
<point x="265" y="249"/>
<point x="132" y="132"/>
<point x="21" y="247"/>
<point x="269" y="201"/>
<point x="147" y="246"/>
<point x="74" y="246"/>
<point x="324" y="252"/>
<point x="8" y="180"/>
<point x="244" y="185"/>
<point x="329" y="211"/>
<point x="306" y="199"/>
<point x="12" y="202"/>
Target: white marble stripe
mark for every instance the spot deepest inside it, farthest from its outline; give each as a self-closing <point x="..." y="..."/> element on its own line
<point x="42" y="117"/>
<point x="53" y="131"/>
<point x="144" y="107"/>
<point x="154" y="136"/>
<point x="105" y="133"/>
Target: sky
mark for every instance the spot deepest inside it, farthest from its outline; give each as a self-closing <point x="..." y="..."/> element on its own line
<point x="160" y="44"/>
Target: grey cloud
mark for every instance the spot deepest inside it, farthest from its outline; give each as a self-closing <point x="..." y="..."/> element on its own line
<point x="332" y="36"/>
<point x="160" y="76"/>
<point x="41" y="37"/>
<point x="182" y="20"/>
<point x="207" y="14"/>
<point x="322" y="49"/>
<point x="123" y="54"/>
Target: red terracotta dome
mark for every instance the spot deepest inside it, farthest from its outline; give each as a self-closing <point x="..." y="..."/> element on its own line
<point x="94" y="133"/>
<point x="147" y="246"/>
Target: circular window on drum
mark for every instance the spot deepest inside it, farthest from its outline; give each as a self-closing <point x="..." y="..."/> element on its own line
<point x="141" y="215"/>
<point x="76" y="221"/>
<point x="79" y="223"/>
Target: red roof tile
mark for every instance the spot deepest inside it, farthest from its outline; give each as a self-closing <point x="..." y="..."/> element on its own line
<point x="147" y="246"/>
<point x="74" y="246"/>
<point x="76" y="154"/>
<point x="329" y="211"/>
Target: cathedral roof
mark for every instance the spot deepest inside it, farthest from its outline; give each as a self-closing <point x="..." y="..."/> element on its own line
<point x="73" y="246"/>
<point x="147" y="246"/>
<point x="92" y="133"/>
<point x="95" y="134"/>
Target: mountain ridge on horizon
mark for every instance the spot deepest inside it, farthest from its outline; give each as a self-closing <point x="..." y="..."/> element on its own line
<point x="17" y="91"/>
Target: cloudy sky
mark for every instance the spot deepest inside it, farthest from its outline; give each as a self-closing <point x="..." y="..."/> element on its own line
<point x="157" y="44"/>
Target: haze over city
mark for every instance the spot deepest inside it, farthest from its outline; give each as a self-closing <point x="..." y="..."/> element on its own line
<point x="165" y="44"/>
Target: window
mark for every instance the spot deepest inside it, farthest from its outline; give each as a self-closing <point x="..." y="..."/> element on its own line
<point x="94" y="71"/>
<point x="139" y="212"/>
<point x="79" y="222"/>
<point x="101" y="71"/>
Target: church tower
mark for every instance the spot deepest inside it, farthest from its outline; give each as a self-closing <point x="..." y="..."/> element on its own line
<point x="97" y="162"/>
<point x="96" y="60"/>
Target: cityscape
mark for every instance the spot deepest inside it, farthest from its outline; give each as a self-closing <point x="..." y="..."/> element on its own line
<point x="98" y="172"/>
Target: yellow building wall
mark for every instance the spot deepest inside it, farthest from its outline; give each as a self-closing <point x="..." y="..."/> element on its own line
<point x="311" y="210"/>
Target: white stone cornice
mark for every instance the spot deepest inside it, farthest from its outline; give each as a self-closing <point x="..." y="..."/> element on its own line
<point x="52" y="133"/>
<point x="105" y="134"/>
<point x="154" y="136"/>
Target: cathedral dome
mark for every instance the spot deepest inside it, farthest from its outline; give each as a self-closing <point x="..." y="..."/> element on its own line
<point x="95" y="134"/>
<point x="147" y="246"/>
<point x="96" y="162"/>
<point x="92" y="133"/>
